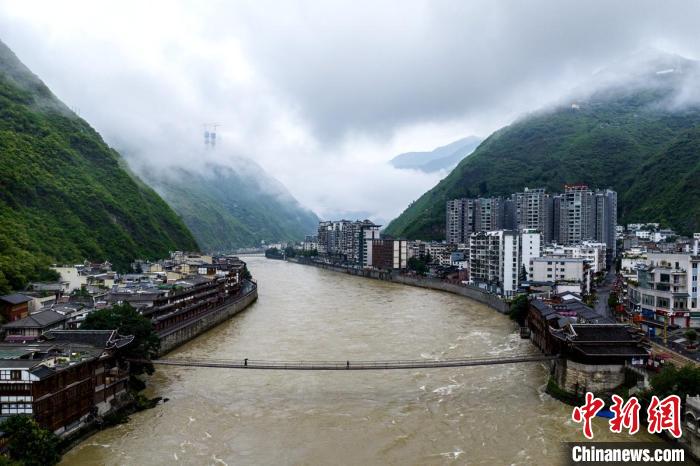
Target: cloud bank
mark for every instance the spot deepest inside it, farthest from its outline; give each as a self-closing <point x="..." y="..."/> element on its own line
<point x="323" y="94"/>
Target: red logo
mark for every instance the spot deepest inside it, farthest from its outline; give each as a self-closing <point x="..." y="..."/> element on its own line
<point x="661" y="415"/>
<point x="587" y="412"/>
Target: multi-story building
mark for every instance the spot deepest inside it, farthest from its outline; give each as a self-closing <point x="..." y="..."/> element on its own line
<point x="63" y="380"/>
<point x="386" y="254"/>
<point x="491" y="214"/>
<point x="568" y="273"/>
<point x="530" y="247"/>
<point x="606" y="220"/>
<point x="632" y="258"/>
<point x="466" y="216"/>
<point x="461" y="220"/>
<point x="345" y="239"/>
<point x="593" y="253"/>
<point x="576" y="215"/>
<point x="310" y="243"/>
<point x="532" y="209"/>
<point x="494" y="260"/>
<point x="666" y="289"/>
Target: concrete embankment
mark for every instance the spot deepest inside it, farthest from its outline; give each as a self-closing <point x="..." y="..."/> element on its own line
<point x="174" y="337"/>
<point x="467" y="291"/>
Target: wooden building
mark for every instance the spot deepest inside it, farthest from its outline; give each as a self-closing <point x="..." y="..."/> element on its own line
<point x="64" y="380"/>
<point x="14" y="306"/>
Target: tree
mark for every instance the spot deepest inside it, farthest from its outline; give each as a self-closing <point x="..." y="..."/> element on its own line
<point x="673" y="381"/>
<point x="127" y="321"/>
<point x="518" y="308"/>
<point x="692" y="336"/>
<point x="612" y="300"/>
<point x="417" y="266"/>
<point x="28" y="443"/>
<point x="290" y="252"/>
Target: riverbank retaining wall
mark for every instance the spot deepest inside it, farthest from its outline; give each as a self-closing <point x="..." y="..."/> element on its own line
<point x="172" y="338"/>
<point x="467" y="291"/>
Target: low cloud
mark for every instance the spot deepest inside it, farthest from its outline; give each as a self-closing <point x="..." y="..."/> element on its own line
<point x="323" y="94"/>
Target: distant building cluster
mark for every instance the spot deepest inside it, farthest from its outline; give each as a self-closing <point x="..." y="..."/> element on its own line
<point x="534" y="236"/>
<point x="358" y="243"/>
<point x="82" y="288"/>
<point x="577" y="215"/>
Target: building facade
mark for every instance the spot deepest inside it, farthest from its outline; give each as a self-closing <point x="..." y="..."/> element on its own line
<point x="666" y="290"/>
<point x="533" y="211"/>
<point x="386" y="254"/>
<point x="64" y="380"/>
<point x="562" y="270"/>
<point x="345" y="240"/>
<point x="494" y="260"/>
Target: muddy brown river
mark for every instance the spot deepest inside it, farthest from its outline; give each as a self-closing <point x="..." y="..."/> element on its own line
<point x="495" y="415"/>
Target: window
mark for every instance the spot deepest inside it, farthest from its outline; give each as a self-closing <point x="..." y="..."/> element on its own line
<point x="15" y="375"/>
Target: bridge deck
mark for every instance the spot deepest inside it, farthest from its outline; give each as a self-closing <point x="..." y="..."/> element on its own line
<point x="350" y="365"/>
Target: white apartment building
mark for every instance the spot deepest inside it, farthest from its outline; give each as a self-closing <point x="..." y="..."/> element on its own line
<point x="631" y="260"/>
<point x="71" y="274"/>
<point x="494" y="261"/>
<point x="656" y="236"/>
<point x="530" y="246"/>
<point x="560" y="269"/>
<point x="666" y="289"/>
<point x="593" y="253"/>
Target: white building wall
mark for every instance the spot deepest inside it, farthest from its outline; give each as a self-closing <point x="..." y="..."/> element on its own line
<point x="530" y="246"/>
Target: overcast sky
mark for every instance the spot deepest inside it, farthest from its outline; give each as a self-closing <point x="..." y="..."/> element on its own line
<point x="322" y="94"/>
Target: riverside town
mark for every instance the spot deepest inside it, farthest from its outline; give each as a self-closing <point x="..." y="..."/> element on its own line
<point x="395" y="233"/>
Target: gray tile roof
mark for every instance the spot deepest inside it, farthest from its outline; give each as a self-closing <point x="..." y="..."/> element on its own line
<point x="96" y="338"/>
<point x="15" y="298"/>
<point x="39" y="320"/>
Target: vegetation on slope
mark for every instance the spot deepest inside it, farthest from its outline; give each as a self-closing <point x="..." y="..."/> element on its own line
<point x="64" y="196"/>
<point x="227" y="209"/>
<point x="630" y="140"/>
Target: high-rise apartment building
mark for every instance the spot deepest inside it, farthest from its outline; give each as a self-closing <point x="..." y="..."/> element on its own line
<point x="494" y="260"/>
<point x="576" y="215"/>
<point x="460" y="221"/>
<point x="606" y="219"/>
<point x="533" y="211"/>
<point x="491" y="214"/>
<point x="346" y="239"/>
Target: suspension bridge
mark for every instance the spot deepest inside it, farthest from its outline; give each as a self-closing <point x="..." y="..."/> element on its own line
<point x="350" y="365"/>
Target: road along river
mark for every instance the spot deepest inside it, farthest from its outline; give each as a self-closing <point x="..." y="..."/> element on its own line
<point x="472" y="415"/>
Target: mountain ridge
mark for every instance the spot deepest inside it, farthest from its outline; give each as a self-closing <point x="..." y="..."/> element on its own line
<point x="609" y="137"/>
<point x="228" y="208"/>
<point x="65" y="194"/>
<point x="440" y="158"/>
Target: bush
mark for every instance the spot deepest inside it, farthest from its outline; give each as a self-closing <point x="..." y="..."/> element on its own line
<point x="29" y="444"/>
<point x="127" y="321"/>
<point x="518" y="309"/>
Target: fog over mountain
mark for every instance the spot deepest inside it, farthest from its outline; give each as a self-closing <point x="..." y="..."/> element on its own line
<point x="323" y="94"/>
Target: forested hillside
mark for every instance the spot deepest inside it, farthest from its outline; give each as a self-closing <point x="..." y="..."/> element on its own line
<point x="641" y="138"/>
<point x="64" y="194"/>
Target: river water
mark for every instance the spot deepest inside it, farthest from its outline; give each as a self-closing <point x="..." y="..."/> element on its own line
<point x="474" y="415"/>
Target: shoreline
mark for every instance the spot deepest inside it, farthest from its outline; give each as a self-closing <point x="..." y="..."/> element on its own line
<point x="174" y="338"/>
<point x="467" y="291"/>
<point x="495" y="303"/>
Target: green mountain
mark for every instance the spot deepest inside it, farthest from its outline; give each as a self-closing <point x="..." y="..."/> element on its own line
<point x="636" y="130"/>
<point x="64" y="194"/>
<point x="442" y="158"/>
<point x="227" y="208"/>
